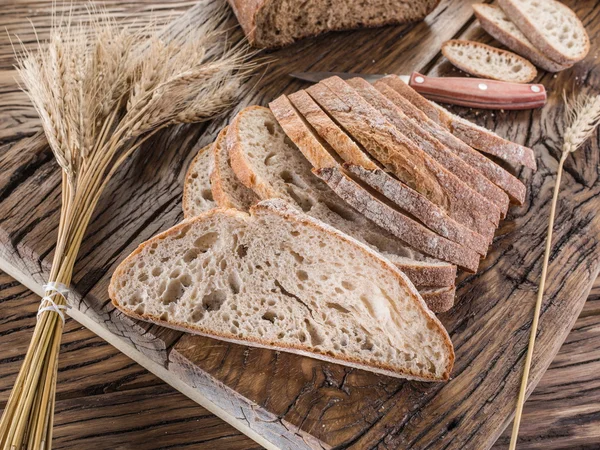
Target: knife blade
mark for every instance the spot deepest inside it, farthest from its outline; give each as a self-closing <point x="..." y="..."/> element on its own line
<point x="463" y="91"/>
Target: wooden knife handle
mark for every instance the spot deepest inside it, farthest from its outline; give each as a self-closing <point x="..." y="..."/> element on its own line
<point x="479" y="92"/>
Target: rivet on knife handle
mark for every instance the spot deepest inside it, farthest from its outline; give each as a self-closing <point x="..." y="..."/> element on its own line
<point x="479" y="93"/>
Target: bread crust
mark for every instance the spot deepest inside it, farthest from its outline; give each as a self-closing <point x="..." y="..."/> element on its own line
<point x="531" y="30"/>
<point x="300" y="133"/>
<point x="439" y="300"/>
<point x="496" y="174"/>
<point x="516" y="44"/>
<point x="280" y="208"/>
<point x="477" y="137"/>
<point x="404" y="228"/>
<point x="187" y="195"/>
<point x="479" y="72"/>
<point x="339" y="141"/>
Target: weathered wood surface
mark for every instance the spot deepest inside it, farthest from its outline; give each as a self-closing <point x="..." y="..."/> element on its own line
<point x="296" y="402"/>
<point x="103" y="397"/>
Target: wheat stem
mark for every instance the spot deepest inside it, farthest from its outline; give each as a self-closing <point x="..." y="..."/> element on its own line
<point x="538" y="307"/>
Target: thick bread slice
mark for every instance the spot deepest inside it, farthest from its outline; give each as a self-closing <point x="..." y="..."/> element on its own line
<point x="197" y="193"/>
<point x="265" y="160"/>
<point x="488" y="62"/>
<point x="380" y="213"/>
<point x="432" y="216"/>
<point x="432" y="146"/>
<point x="274" y="23"/>
<point x="418" y="206"/>
<point x="551" y="26"/>
<point x="425" y="272"/>
<point x="500" y="27"/>
<point x="477" y="137"/>
<point x="404" y="159"/>
<point x="492" y="171"/>
<point x="439" y="299"/>
<point x="282" y="280"/>
<point x="227" y="190"/>
<point x="339" y="141"/>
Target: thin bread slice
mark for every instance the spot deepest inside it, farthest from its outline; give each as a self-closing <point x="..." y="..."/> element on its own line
<point x="282" y="280"/>
<point x="439" y="299"/>
<point x="418" y="206"/>
<point x="404" y="159"/>
<point x="339" y="141"/>
<point x="551" y="26"/>
<point x="227" y="190"/>
<point x="432" y="146"/>
<point x="477" y="137"/>
<point x="197" y="193"/>
<point x="500" y="27"/>
<point x="485" y="61"/>
<point x="390" y="219"/>
<point x="265" y="160"/>
<point x="495" y="173"/>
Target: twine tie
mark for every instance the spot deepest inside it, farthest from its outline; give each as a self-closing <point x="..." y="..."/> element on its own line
<point x="47" y="304"/>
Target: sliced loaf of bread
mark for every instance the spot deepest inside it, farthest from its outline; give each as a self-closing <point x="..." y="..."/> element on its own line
<point x="514" y="188"/>
<point x="404" y="159"/>
<point x="197" y="193"/>
<point x="255" y="137"/>
<point x="551" y="26"/>
<point x="477" y="137"/>
<point x="485" y="61"/>
<point x="280" y="279"/>
<point x="500" y="27"/>
<point x="275" y="23"/>
<point x="431" y="145"/>
<point x="407" y="199"/>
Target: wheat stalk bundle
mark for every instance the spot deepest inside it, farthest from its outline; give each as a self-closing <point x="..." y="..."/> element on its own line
<point x="100" y="92"/>
<point x="582" y="116"/>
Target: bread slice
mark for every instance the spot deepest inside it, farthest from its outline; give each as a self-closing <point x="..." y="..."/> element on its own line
<point x="500" y="27"/>
<point x="404" y="159"/>
<point x="197" y="193"/>
<point x="393" y="221"/>
<point x="328" y="130"/>
<point x="551" y="26"/>
<point x="477" y="137"/>
<point x="282" y="280"/>
<point x="439" y="299"/>
<point x="432" y="146"/>
<point x="485" y="61"/>
<point x="275" y="23"/>
<point x="410" y="201"/>
<point x="266" y="160"/>
<point x="492" y="171"/>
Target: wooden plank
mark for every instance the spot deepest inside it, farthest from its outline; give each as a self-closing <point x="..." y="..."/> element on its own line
<point x="320" y="404"/>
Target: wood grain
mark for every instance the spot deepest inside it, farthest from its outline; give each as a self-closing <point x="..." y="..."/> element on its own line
<point x="98" y="383"/>
<point x="296" y="402"/>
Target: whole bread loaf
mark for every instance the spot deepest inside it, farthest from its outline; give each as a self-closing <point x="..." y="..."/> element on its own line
<point x="275" y="23"/>
<point x="280" y="279"/>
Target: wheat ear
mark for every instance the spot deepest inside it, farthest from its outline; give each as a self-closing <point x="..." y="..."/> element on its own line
<point x="582" y="116"/>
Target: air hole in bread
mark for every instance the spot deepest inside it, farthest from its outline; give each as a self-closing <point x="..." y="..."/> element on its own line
<point x="214" y="300"/>
<point x="186" y="280"/>
<point x="164" y="317"/>
<point x="223" y="264"/>
<point x="197" y="315"/>
<point x="194" y="175"/>
<point x="235" y="282"/>
<point x="302" y="275"/>
<point x="173" y="292"/>
<point x="269" y="159"/>
<point x="207" y="195"/>
<point x="242" y="250"/>
<point x="206" y="241"/>
<point x="175" y="273"/>
<point x="367" y="345"/>
<point x="297" y="256"/>
<point x="302" y="336"/>
<point x="270" y="126"/>
<point x="315" y="335"/>
<point x="295" y="233"/>
<point x="190" y="255"/>
<point x="269" y="316"/>
<point x="140" y="309"/>
<point x="338" y="308"/>
<point x="347" y="285"/>
<point x="517" y="68"/>
<point x="339" y="290"/>
<point x="135" y="299"/>
<point x="183" y="232"/>
<point x="143" y="276"/>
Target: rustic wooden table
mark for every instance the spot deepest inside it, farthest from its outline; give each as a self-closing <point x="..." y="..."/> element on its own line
<point x="105" y="400"/>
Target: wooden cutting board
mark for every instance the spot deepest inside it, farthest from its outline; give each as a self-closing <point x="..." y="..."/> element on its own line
<point x="288" y="401"/>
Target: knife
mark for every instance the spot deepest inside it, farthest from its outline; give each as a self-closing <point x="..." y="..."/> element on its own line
<point x="473" y="92"/>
